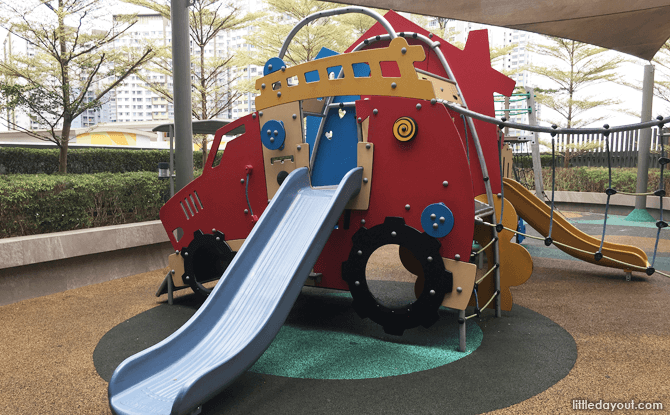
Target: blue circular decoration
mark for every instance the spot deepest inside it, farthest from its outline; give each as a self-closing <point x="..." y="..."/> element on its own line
<point x="273" y="65"/>
<point x="273" y="135"/>
<point x="437" y="220"/>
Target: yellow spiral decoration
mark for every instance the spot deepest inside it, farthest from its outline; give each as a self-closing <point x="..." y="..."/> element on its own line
<point x="405" y="129"/>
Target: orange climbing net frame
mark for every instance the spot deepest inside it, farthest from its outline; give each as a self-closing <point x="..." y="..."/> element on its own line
<point x="290" y="85"/>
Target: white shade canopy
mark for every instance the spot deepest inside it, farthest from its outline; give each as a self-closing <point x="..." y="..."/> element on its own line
<point x="636" y="27"/>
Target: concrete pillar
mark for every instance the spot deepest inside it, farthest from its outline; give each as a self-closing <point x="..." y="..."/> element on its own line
<point x="181" y="68"/>
<point x="535" y="146"/>
<point x="640" y="214"/>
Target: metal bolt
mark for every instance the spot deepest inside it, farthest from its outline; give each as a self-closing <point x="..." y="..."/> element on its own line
<point x="357" y="283"/>
<point x="445" y="183"/>
<point x="359" y="253"/>
<point x="299" y="148"/>
<point x="272" y="139"/>
<point x="246" y="211"/>
<point x="442" y="219"/>
<point x="172" y="271"/>
<point x="499" y="195"/>
<point x="260" y="113"/>
<point x="403" y="50"/>
<point x="360" y="119"/>
<point x="433" y="216"/>
<point x="262" y="86"/>
<point x="418" y="106"/>
<point x="253" y="115"/>
<point x="432" y="292"/>
<point x="278" y="93"/>
<point x="433" y="101"/>
<point x="242" y="181"/>
<point x="176" y="252"/>
<point x="275" y="132"/>
<point x="187" y="278"/>
<point x="430" y="259"/>
<point x="365" y="180"/>
<point x="407" y="207"/>
<point x="393" y="234"/>
<point x="295" y="116"/>
<point x="283" y="68"/>
<point x="459" y="289"/>
<point x="185" y="253"/>
<point x="362" y="221"/>
<point x="435" y="225"/>
<point x="368" y="146"/>
<point x="213" y="230"/>
<point x="375" y="111"/>
<point x="393" y="85"/>
<point x="270" y="66"/>
<point x="269" y="132"/>
<point x="218" y="238"/>
<point x="457" y="257"/>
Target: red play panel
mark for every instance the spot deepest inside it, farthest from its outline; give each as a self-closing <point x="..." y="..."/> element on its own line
<point x="216" y="200"/>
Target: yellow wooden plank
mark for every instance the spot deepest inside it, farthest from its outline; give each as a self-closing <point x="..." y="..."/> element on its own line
<point x="313" y="105"/>
<point x="274" y="88"/>
<point x="176" y="263"/>
<point x="443" y="89"/>
<point x="507" y="161"/>
<point x="290" y="157"/>
<point x="464" y="277"/>
<point x="364" y="159"/>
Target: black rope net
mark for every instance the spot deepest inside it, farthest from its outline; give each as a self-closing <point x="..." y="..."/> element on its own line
<point x="522" y="176"/>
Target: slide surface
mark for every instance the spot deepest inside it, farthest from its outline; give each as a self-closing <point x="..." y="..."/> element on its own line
<point x="246" y="309"/>
<point x="536" y="213"/>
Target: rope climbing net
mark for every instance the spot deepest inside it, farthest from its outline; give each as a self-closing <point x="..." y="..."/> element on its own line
<point x="610" y="191"/>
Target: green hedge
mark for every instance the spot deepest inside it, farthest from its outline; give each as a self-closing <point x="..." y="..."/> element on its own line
<point x="35" y="204"/>
<point x="526" y="161"/>
<point x="14" y="160"/>
<point x="596" y="179"/>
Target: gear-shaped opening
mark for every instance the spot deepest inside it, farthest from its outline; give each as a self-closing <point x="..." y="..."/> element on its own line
<point x="390" y="263"/>
<point x="205" y="260"/>
<point x="437" y="280"/>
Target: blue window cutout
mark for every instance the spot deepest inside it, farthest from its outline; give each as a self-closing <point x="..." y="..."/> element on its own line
<point x="312" y="76"/>
<point x="361" y="70"/>
<point x="334" y="72"/>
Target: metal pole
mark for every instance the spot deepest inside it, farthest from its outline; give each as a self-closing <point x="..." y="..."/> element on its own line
<point x="171" y="135"/>
<point x="506" y="114"/>
<point x="644" y="143"/>
<point x="181" y="75"/>
<point x="462" y="343"/>
<point x="535" y="146"/>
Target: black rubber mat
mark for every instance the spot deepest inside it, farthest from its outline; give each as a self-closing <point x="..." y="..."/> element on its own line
<point x="521" y="355"/>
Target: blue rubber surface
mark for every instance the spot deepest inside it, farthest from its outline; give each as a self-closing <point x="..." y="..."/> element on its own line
<point x="246" y="309"/>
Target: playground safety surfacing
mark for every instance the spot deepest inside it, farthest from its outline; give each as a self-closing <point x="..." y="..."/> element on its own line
<point x="577" y="331"/>
<point x="326" y="353"/>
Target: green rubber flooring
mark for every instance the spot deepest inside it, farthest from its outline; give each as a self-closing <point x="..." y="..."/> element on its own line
<point x="328" y="360"/>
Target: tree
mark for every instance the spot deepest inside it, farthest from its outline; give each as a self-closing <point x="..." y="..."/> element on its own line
<point x="662" y="76"/>
<point x="661" y="64"/>
<point x="72" y="57"/>
<point x="214" y="83"/>
<point x="574" y="66"/>
<point x="282" y="16"/>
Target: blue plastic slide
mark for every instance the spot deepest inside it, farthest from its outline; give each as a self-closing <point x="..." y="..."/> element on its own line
<point x="246" y="309"/>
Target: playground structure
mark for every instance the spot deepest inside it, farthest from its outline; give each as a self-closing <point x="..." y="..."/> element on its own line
<point x="346" y="154"/>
